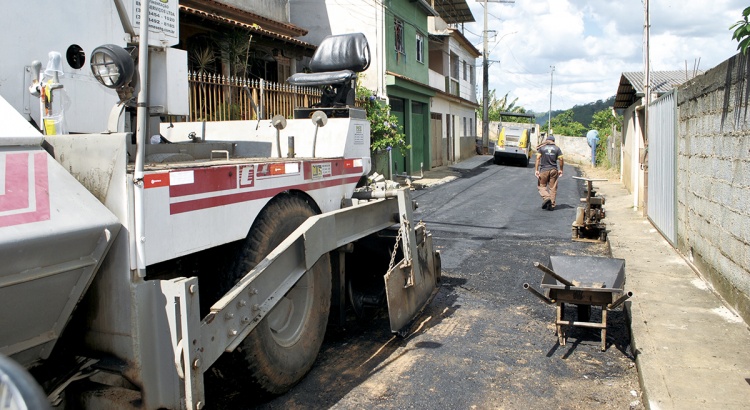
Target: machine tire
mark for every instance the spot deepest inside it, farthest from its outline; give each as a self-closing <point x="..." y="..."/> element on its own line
<point x="283" y="347"/>
<point x="18" y="389"/>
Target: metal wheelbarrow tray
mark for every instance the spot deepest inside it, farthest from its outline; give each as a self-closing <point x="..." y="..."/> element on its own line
<point x="584" y="281"/>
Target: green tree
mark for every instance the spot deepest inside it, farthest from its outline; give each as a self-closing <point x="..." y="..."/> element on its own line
<point x="563" y="124"/>
<point x="604" y="122"/>
<point x="495" y="106"/>
<point x="742" y="31"/>
<point x="385" y="132"/>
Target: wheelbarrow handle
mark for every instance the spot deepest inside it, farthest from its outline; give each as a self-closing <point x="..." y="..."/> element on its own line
<point x="537" y="294"/>
<point x="553" y="274"/>
<point x="619" y="300"/>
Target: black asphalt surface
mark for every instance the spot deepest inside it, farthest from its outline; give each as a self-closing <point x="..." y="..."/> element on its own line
<point x="483" y="342"/>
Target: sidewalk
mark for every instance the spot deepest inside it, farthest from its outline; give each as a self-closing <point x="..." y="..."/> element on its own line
<point x="447" y="173"/>
<point x="691" y="351"/>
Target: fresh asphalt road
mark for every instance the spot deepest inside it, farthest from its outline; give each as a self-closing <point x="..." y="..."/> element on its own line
<point x="483" y="342"/>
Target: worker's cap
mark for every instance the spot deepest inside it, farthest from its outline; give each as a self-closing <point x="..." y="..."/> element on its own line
<point x="551" y="137"/>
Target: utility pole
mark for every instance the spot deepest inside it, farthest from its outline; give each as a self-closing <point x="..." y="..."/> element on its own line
<point x="549" y="123"/>
<point x="486" y="78"/>
<point x="646" y="69"/>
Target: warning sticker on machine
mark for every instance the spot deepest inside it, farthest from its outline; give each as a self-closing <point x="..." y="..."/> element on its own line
<point x="359" y="134"/>
<point x="321" y="170"/>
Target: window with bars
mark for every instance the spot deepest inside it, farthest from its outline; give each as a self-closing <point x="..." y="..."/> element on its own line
<point x="420" y="47"/>
<point x="399" y="35"/>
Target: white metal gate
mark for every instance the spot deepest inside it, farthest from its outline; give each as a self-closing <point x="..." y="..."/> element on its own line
<point x="662" y="165"/>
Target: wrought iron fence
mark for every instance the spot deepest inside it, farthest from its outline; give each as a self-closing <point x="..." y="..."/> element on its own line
<point x="218" y="98"/>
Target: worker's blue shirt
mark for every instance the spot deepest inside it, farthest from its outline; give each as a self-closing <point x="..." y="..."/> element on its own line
<point x="592" y="137"/>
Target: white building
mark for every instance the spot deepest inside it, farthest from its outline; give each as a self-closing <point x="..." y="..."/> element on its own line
<point x="452" y="66"/>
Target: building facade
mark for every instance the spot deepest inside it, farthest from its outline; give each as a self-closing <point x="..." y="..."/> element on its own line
<point x="399" y="35"/>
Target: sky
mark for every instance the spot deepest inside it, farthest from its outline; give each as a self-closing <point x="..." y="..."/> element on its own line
<point x="591" y="43"/>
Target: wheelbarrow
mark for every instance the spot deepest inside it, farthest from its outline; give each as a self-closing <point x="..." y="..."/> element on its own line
<point x="584" y="281"/>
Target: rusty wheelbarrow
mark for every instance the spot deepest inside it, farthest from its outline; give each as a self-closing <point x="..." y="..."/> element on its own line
<point x="584" y="281"/>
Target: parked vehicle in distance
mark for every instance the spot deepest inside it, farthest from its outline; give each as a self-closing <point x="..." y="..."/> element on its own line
<point x="514" y="143"/>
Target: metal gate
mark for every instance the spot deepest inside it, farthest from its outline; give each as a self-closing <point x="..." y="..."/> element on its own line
<point x="436" y="131"/>
<point x="662" y="165"/>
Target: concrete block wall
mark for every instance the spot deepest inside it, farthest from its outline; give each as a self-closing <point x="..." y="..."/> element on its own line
<point x="575" y="149"/>
<point x="713" y="178"/>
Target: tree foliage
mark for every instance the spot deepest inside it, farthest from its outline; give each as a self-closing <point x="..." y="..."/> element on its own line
<point x="742" y="31"/>
<point x="604" y="122"/>
<point x="581" y="113"/>
<point x="495" y="106"/>
<point x="564" y="124"/>
<point x="385" y="132"/>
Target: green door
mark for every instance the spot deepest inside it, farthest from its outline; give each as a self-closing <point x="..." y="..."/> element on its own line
<point x="399" y="160"/>
<point x="419" y="139"/>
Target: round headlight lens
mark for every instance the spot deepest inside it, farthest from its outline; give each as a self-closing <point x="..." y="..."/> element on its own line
<point x="112" y="65"/>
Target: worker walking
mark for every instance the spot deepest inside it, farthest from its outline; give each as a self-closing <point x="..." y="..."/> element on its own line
<point x="592" y="137"/>
<point x="547" y="172"/>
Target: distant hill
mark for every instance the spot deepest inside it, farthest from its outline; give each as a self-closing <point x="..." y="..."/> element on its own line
<point x="581" y="113"/>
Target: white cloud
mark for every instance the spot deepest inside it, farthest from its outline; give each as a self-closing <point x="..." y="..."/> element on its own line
<point x="591" y="43"/>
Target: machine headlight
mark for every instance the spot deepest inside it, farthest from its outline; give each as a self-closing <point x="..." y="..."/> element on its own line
<point x="112" y="65"/>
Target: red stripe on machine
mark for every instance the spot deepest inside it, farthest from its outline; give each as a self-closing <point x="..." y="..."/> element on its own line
<point x="204" y="203"/>
<point x="17" y="204"/>
<point x="206" y="180"/>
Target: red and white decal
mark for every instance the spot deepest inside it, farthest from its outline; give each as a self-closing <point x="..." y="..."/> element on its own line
<point x="247" y="176"/>
<point x="282" y="168"/>
<point x="202" y="188"/>
<point x="202" y="180"/>
<point x="353" y="166"/>
<point x="156" y="180"/>
<point x="24" y="188"/>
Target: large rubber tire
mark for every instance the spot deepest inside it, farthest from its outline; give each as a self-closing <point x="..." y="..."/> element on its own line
<point x="282" y="348"/>
<point x="18" y="389"/>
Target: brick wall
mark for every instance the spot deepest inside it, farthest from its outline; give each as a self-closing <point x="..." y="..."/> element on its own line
<point x="713" y="178"/>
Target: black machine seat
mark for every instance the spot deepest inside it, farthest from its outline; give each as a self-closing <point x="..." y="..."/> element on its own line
<point x="335" y="65"/>
<point x="325" y="78"/>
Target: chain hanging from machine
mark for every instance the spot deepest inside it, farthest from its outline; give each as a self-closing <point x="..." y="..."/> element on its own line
<point x="395" y="248"/>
